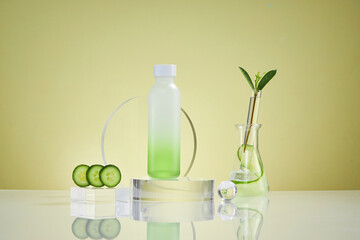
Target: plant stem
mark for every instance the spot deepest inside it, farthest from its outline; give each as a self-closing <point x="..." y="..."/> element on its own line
<point x="251" y="122"/>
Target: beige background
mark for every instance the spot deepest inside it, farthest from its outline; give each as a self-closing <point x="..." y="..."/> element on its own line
<point x="65" y="65"/>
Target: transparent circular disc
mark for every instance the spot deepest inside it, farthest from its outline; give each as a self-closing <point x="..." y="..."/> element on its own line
<point x="124" y="139"/>
<point x="177" y="189"/>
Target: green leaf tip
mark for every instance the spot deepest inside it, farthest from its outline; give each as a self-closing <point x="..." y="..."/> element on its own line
<point x="247" y="77"/>
<point x="265" y="79"/>
<point x="258" y="78"/>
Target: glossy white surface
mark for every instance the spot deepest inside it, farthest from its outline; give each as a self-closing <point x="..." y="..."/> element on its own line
<point x="289" y="215"/>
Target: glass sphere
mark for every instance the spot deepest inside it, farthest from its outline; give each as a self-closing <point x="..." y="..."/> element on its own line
<point x="227" y="190"/>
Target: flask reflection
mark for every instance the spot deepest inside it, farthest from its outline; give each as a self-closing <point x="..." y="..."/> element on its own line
<point x="247" y="215"/>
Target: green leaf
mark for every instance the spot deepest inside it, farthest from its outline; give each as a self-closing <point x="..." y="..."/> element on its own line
<point x="265" y="79"/>
<point x="258" y="77"/>
<point x="246" y="75"/>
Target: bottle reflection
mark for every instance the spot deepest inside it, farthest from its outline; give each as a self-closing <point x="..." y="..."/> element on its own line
<point x="83" y="228"/>
<point x="164" y="218"/>
<point x="163" y="231"/>
<point x="247" y="214"/>
<point x="191" y="211"/>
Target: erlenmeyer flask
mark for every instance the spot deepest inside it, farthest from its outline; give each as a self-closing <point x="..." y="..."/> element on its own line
<point x="248" y="171"/>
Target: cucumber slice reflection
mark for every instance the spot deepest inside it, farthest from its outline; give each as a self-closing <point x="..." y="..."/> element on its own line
<point x="110" y="228"/>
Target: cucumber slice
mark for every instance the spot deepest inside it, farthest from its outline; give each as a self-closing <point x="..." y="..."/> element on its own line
<point x="92" y="229"/>
<point x="92" y="175"/>
<point x="79" y="228"/>
<point x="79" y="175"/>
<point x="110" y="175"/>
<point x="240" y="152"/>
<point x="110" y="228"/>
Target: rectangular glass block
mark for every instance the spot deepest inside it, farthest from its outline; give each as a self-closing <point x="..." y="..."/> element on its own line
<point x="93" y="195"/>
<point x="117" y="209"/>
<point x="93" y="211"/>
<point x="95" y="203"/>
<point x="99" y="195"/>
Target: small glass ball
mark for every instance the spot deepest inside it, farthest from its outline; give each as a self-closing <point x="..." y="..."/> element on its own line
<point x="227" y="190"/>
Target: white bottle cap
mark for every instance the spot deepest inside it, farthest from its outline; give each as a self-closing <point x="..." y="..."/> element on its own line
<point x="165" y="70"/>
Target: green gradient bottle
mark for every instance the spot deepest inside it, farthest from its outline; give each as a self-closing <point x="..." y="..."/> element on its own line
<point x="164" y="124"/>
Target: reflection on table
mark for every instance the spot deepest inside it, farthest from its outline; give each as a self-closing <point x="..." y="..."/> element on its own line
<point x="83" y="228"/>
<point x="247" y="214"/>
<point x="152" y="202"/>
<point x="34" y="215"/>
<point x="164" y="205"/>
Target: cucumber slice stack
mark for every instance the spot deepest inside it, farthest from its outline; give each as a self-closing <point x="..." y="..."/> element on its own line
<point x="96" y="175"/>
<point x="96" y="228"/>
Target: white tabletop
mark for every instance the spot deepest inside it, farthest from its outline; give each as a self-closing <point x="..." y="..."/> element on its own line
<point x="288" y="215"/>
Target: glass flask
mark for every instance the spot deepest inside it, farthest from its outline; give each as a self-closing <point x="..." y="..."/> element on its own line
<point x="248" y="172"/>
